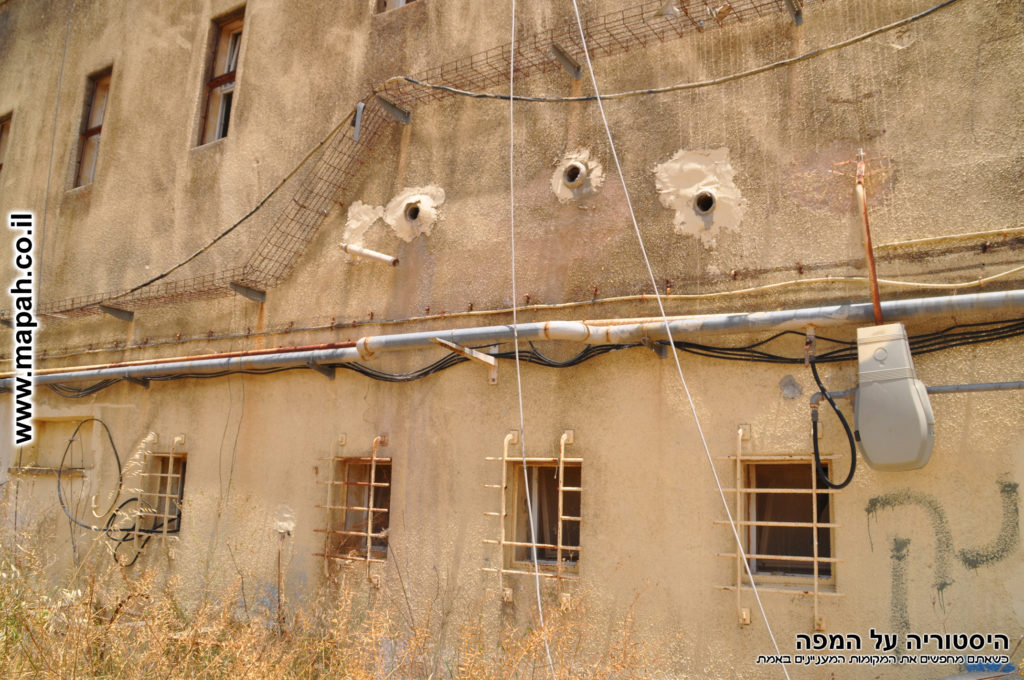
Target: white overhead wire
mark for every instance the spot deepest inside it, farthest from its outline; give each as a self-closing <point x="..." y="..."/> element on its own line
<point x="668" y="330"/>
<point x="515" y="336"/>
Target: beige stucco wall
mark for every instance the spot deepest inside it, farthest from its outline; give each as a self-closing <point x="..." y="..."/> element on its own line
<point x="936" y="106"/>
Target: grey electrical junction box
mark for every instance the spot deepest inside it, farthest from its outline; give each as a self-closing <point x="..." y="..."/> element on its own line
<point x="893" y="416"/>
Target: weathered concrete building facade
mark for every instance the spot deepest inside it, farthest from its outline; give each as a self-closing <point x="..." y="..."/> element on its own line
<point x="192" y="169"/>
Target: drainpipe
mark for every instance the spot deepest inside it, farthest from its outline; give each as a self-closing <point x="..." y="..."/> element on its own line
<point x="575" y="331"/>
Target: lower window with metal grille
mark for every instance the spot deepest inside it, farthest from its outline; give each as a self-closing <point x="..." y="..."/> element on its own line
<point x="163" y="490"/>
<point x="785" y="510"/>
<point x="358" y="510"/>
<point x="556" y="516"/>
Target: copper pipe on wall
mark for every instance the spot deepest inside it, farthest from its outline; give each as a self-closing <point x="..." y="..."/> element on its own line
<point x="868" y="250"/>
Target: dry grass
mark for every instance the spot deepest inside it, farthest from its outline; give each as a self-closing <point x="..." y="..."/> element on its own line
<point x="121" y="624"/>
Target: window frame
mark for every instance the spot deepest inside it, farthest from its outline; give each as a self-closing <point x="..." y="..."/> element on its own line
<point x="341" y="533"/>
<point x="518" y="551"/>
<point x="220" y="80"/>
<point x="769" y="566"/>
<point x="90" y="129"/>
<point x="163" y="484"/>
<point x="5" y="137"/>
<point x="382" y="6"/>
<point x="512" y="509"/>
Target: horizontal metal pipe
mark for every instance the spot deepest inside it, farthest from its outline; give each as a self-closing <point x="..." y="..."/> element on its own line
<point x="215" y="355"/>
<point x="934" y="389"/>
<point x="575" y="331"/>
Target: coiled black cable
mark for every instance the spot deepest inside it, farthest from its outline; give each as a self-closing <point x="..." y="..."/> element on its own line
<point x="60" y="472"/>
<point x="822" y="472"/>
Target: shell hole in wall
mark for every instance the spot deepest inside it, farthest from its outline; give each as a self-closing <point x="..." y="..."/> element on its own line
<point x="704" y="202"/>
<point x="412" y="211"/>
<point x="574" y="174"/>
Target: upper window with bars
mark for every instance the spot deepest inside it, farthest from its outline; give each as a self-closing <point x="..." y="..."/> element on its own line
<point x="220" y="80"/>
<point x="96" y="97"/>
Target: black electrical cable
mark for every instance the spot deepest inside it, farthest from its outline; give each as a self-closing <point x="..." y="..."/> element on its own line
<point x="959" y="335"/>
<point x="60" y="471"/>
<point x="822" y="472"/>
<point x="128" y="533"/>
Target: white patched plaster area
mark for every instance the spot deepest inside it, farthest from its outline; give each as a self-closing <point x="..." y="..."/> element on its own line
<point x="684" y="183"/>
<point x="414" y="211"/>
<point x="578" y="176"/>
<point x="360" y="217"/>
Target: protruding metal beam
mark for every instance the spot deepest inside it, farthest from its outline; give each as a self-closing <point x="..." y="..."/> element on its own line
<point x="323" y="370"/>
<point x="472" y="355"/>
<point x="795" y="11"/>
<point x="357" y="120"/>
<point x="393" y="110"/>
<point x="566" y="60"/>
<point x="117" y="312"/>
<point x="246" y="291"/>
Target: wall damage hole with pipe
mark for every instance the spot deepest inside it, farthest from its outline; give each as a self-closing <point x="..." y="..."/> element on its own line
<point x="577" y="177"/>
<point x="414" y="211"/>
<point x="699" y="187"/>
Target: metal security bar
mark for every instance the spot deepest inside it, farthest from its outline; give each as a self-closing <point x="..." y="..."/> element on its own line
<point x="515" y="555"/>
<point x="357" y="509"/>
<point x="745" y="515"/>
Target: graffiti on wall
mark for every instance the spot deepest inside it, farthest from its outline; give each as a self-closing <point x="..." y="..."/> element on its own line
<point x="946" y="555"/>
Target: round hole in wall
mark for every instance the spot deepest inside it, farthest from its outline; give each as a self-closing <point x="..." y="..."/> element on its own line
<point x="574" y="174"/>
<point x="704" y="202"/>
<point x="412" y="211"/>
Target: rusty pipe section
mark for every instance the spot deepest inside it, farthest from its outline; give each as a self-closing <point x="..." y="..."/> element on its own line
<point x="610" y="332"/>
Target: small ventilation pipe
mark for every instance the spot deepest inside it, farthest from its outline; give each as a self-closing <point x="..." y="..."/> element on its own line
<point x="704" y="202"/>
<point x="574" y="175"/>
<point x="366" y="253"/>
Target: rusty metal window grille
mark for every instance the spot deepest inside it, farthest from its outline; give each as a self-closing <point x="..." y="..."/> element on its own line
<point x="785" y="521"/>
<point x="556" y="492"/>
<point x="97" y="95"/>
<point x="220" y="84"/>
<point x="358" y="509"/>
<point x="162" y="493"/>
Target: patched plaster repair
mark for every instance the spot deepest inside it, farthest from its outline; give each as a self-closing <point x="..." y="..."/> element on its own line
<point x="414" y="211"/>
<point x="699" y="186"/>
<point x="577" y="177"/>
<point x="360" y="217"/>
